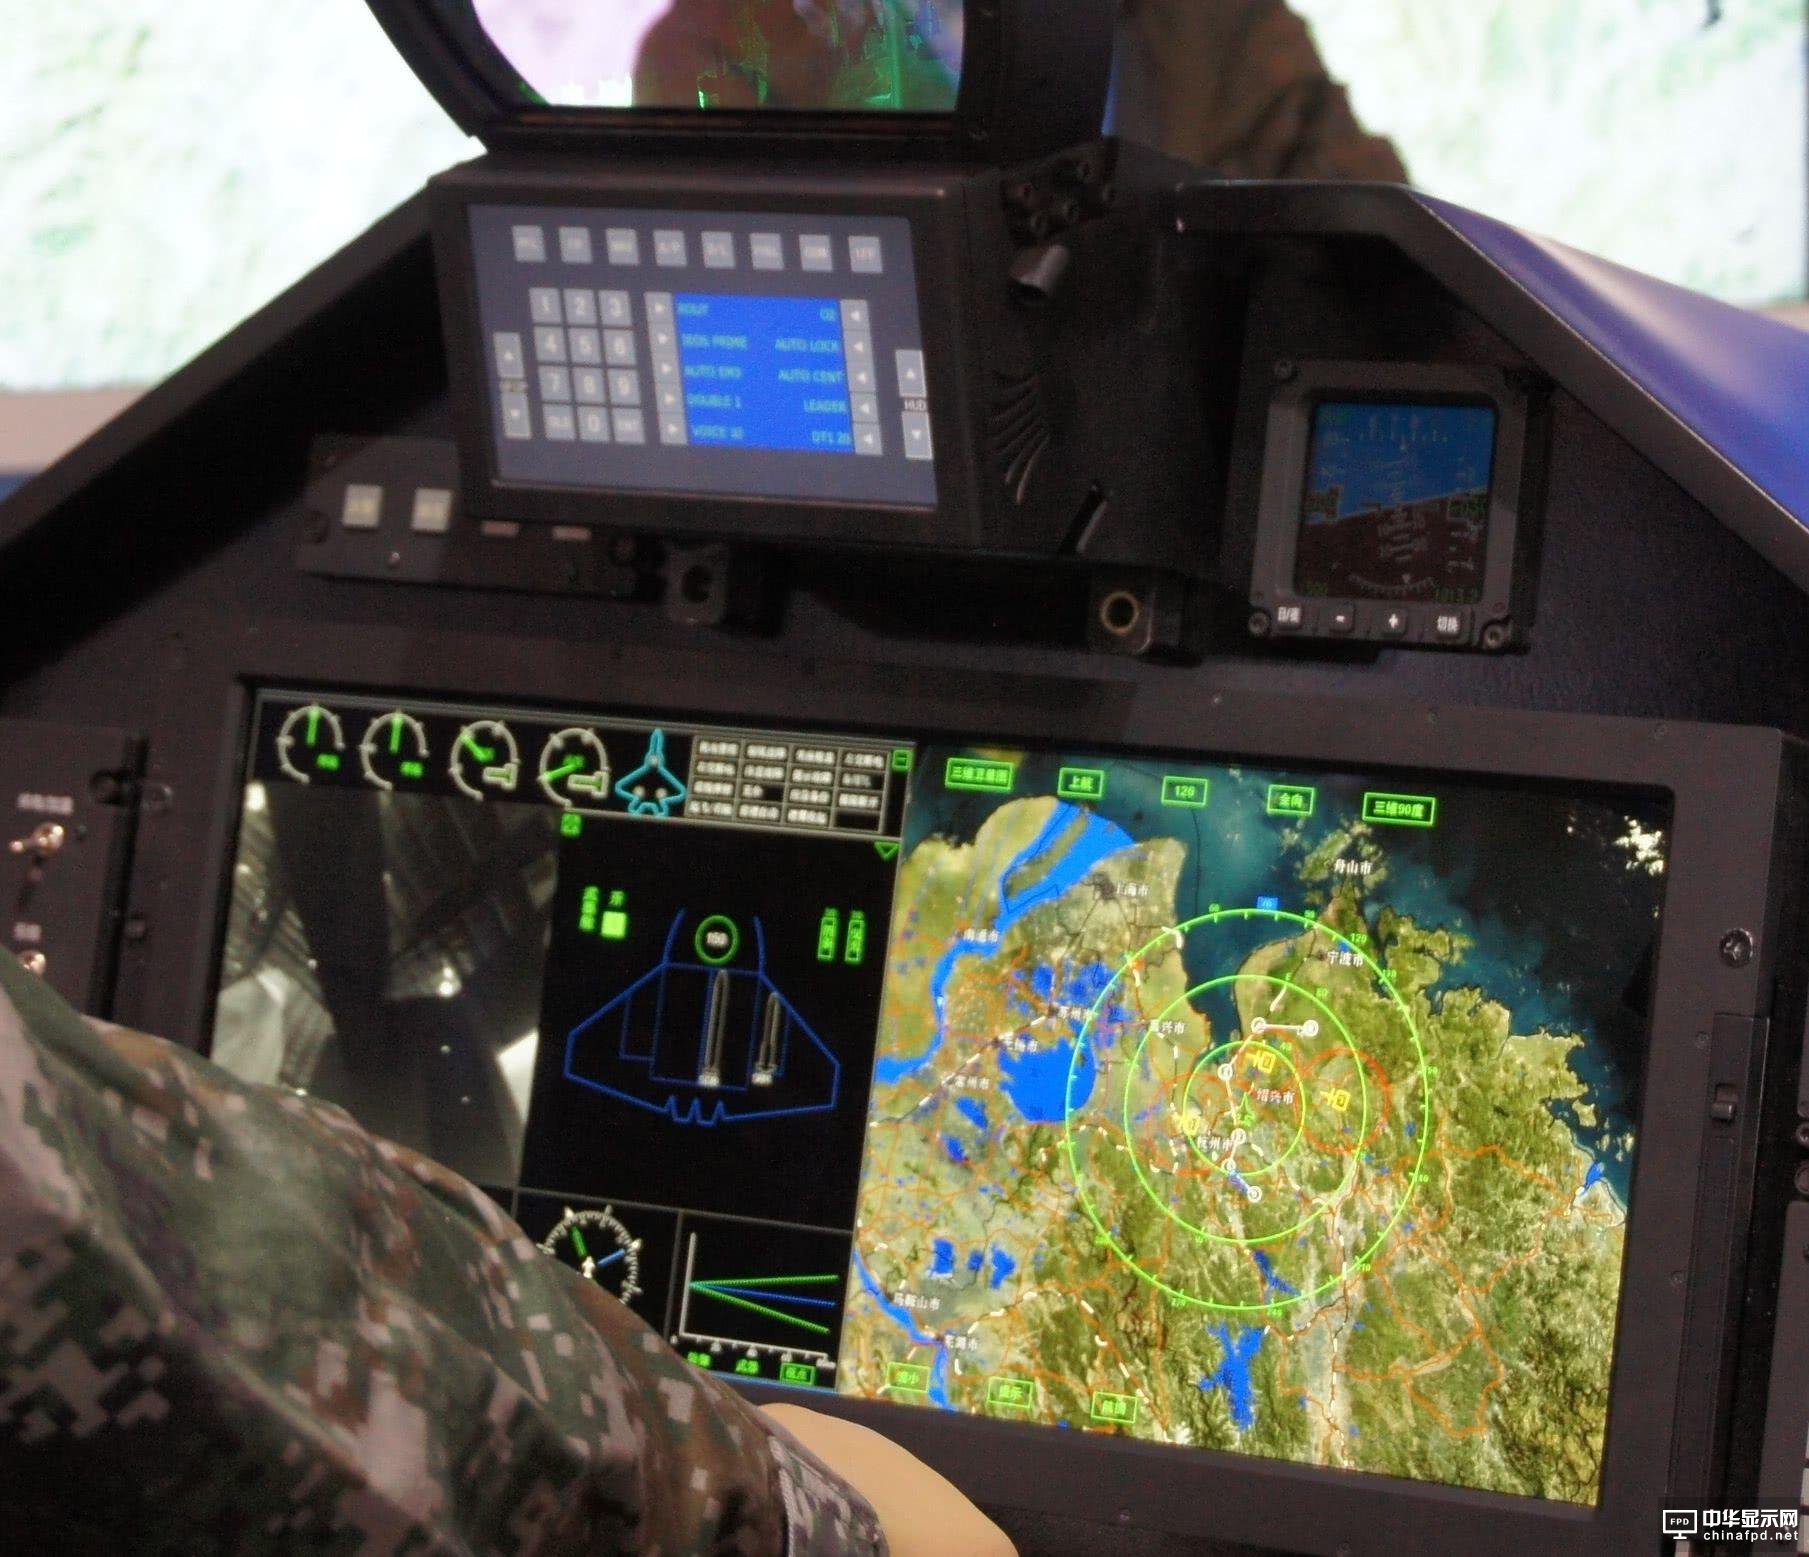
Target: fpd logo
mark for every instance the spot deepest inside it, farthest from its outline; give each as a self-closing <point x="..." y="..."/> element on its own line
<point x="1680" y="1522"/>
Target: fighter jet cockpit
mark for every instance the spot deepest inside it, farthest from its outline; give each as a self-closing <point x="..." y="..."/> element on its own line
<point x="1146" y="830"/>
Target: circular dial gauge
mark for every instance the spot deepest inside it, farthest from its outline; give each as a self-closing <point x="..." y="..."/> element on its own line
<point x="486" y="763"/>
<point x="394" y="751"/>
<point x="574" y="769"/>
<point x="600" y="1248"/>
<point x="311" y="741"/>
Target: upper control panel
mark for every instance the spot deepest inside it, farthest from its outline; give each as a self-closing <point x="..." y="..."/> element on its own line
<point x="707" y="352"/>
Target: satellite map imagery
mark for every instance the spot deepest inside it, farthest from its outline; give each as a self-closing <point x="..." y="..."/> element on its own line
<point x="1283" y="1114"/>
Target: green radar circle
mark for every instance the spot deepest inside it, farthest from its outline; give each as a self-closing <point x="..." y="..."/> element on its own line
<point x="1239" y="1115"/>
<point x="1345" y="1201"/>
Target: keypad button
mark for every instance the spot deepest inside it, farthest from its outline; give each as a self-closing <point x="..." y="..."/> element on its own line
<point x="630" y="427"/>
<point x="815" y="252"/>
<point x="669" y="249"/>
<point x="624" y="386"/>
<point x="911" y="380"/>
<point x="719" y="251"/>
<point x="587" y="346"/>
<point x="865" y="257"/>
<point x="530" y="245"/>
<point x="580" y="305"/>
<point x="543" y="305"/>
<point x="549" y="344"/>
<point x="618" y="348"/>
<point x="917" y="444"/>
<point x="1290" y="618"/>
<point x="555" y="384"/>
<point x="561" y="426"/>
<point x="1393" y="622"/>
<point x="615" y="308"/>
<point x="622" y="245"/>
<point x="593" y="424"/>
<point x="868" y="439"/>
<point x="589" y="386"/>
<point x="509" y="362"/>
<point x="574" y="245"/>
<point x="1450" y="626"/>
<point x="515" y="418"/>
<point x="767" y="250"/>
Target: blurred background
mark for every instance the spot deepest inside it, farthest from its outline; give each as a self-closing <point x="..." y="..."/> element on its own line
<point x="171" y="166"/>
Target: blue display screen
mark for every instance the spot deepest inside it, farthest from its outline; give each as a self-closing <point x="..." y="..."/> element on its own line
<point x="765" y="372"/>
<point x="1395" y="505"/>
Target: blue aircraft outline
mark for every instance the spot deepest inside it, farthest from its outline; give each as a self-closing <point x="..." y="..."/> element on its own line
<point x="654" y="765"/>
<point x="692" y="1110"/>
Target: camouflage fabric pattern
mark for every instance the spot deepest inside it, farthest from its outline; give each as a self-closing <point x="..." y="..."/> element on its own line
<point x="232" y="1321"/>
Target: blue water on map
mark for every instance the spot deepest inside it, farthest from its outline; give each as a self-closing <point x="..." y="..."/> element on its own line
<point x="1095" y="839"/>
<point x="1003" y="1265"/>
<point x="956" y="1151"/>
<point x="973" y="1110"/>
<point x="902" y="1318"/>
<point x="1038" y="1083"/>
<point x="1233" y="1374"/>
<point x="1089" y="839"/>
<point x="944" y="1255"/>
<point x="1267" y="1267"/>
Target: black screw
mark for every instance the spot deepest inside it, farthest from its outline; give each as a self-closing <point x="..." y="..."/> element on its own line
<point x="1259" y="624"/>
<point x="1802" y="1135"/>
<point x="1284" y="369"/>
<point x="135" y="929"/>
<point x="1737" y="948"/>
<point x="1802" y="1179"/>
<point x="1495" y="635"/>
<point x="622" y="549"/>
<point x="1677" y="1278"/>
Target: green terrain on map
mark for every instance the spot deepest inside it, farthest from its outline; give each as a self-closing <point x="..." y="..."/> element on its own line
<point x="1308" y="1200"/>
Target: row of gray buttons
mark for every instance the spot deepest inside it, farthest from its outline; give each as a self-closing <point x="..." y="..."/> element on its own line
<point x="363" y="508"/>
<point x="719" y="250"/>
<point x="591" y="386"/>
<point x="585" y="347"/>
<point x="579" y="305"/>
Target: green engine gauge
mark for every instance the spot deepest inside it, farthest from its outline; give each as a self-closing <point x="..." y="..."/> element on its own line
<point x="600" y="1248"/>
<point x="574" y="770"/>
<point x="393" y="752"/>
<point x="486" y="763"/>
<point x="311" y="741"/>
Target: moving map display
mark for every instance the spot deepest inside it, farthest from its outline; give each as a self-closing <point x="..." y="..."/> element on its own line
<point x="1287" y="1114"/>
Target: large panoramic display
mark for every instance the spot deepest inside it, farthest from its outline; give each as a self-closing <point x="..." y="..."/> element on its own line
<point x="1288" y="1113"/>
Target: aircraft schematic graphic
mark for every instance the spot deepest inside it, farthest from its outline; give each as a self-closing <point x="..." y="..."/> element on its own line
<point x="704" y="1040"/>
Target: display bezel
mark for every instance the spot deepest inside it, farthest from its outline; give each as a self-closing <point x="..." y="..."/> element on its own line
<point x="1026" y="89"/>
<point x="1725" y="785"/>
<point x="953" y="521"/>
<point x="1498" y="618"/>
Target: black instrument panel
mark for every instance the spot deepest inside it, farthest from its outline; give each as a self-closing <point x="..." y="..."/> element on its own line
<point x="748" y="1022"/>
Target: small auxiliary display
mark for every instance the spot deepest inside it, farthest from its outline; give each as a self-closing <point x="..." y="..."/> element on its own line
<point x="1395" y="507"/>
